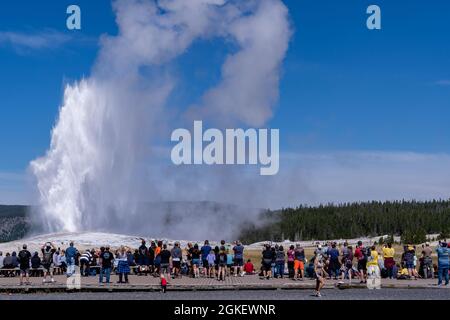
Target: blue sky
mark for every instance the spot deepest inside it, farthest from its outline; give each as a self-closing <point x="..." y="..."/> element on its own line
<point x="344" y="88"/>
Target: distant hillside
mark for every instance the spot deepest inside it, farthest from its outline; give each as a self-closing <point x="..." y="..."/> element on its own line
<point x="411" y="220"/>
<point x="14" y="223"/>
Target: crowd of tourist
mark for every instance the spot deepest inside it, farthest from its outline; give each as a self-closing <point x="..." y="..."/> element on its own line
<point x="329" y="260"/>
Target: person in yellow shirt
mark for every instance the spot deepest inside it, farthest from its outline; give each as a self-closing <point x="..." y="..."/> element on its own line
<point x="389" y="262"/>
<point x="373" y="270"/>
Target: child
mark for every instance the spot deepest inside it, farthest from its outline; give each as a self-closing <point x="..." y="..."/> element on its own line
<point x="211" y="257"/>
<point x="163" y="283"/>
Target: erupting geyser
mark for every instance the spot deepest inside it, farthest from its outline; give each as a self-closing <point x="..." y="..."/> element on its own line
<point x="103" y="144"/>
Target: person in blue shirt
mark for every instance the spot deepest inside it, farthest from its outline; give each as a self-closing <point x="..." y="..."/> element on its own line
<point x="205" y="250"/>
<point x="443" y="263"/>
<point x="238" y="259"/>
<point x="71" y="255"/>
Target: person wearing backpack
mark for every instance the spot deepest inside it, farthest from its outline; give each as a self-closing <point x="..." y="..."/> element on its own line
<point x="361" y="256"/>
<point x="48" y="250"/>
<point x="71" y="255"/>
<point x="24" y="264"/>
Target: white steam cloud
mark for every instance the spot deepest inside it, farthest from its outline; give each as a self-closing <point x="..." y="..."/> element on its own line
<point x="104" y="159"/>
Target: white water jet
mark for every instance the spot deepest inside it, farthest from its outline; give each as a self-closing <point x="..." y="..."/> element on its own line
<point x="103" y="143"/>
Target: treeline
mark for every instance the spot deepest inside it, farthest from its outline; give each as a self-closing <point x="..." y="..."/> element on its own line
<point x="411" y="220"/>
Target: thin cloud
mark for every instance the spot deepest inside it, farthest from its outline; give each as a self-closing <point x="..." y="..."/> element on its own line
<point x="48" y="39"/>
<point x="443" y="83"/>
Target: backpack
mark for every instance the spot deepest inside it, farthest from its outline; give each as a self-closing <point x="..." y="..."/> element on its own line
<point x="47" y="256"/>
<point x="23" y="256"/>
<point x="280" y="255"/>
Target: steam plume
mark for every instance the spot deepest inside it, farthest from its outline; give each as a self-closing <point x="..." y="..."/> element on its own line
<point x="104" y="158"/>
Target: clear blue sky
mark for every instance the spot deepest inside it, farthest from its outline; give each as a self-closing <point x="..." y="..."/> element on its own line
<point x="343" y="87"/>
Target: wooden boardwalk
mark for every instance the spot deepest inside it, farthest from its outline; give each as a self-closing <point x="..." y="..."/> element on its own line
<point x="150" y="283"/>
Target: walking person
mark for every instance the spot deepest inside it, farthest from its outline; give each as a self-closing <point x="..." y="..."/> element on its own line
<point x="24" y="264"/>
<point x="71" y="255"/>
<point x="347" y="262"/>
<point x="48" y="250"/>
<point x="334" y="265"/>
<point x="443" y="262"/>
<point x="163" y="283"/>
<point x="123" y="268"/>
<point x="106" y="262"/>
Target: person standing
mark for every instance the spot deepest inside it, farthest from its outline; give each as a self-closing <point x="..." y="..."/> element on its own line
<point x="299" y="262"/>
<point x="205" y="250"/>
<point x="443" y="263"/>
<point x="267" y="257"/>
<point x="280" y="261"/>
<point x="71" y="255"/>
<point x="335" y="265"/>
<point x="361" y="256"/>
<point x="290" y="261"/>
<point x="106" y="261"/>
<point x="143" y="256"/>
<point x="222" y="264"/>
<point x="319" y="265"/>
<point x="373" y="270"/>
<point x="165" y="261"/>
<point x="389" y="262"/>
<point x="24" y="264"/>
<point x="427" y="261"/>
<point x="408" y="257"/>
<point x="238" y="250"/>
<point x="176" y="254"/>
<point x="123" y="268"/>
<point x="48" y="250"/>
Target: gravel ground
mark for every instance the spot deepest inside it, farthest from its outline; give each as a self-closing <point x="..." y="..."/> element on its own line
<point x="329" y="294"/>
